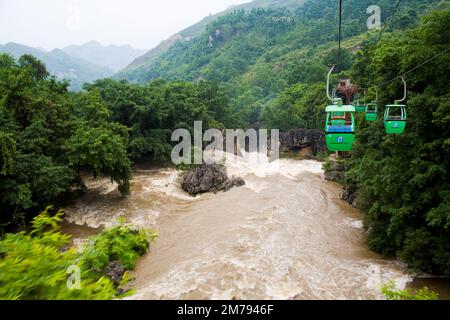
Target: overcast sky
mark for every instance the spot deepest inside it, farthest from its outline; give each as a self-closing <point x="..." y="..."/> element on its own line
<point x="140" y="23"/>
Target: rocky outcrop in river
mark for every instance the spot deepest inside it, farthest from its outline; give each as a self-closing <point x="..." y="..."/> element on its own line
<point x="335" y="170"/>
<point x="309" y="141"/>
<point x="209" y="178"/>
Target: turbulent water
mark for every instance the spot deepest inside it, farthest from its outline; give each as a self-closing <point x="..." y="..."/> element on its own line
<point x="285" y="235"/>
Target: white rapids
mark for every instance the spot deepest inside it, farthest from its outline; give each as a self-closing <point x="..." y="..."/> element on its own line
<point x="284" y="235"/>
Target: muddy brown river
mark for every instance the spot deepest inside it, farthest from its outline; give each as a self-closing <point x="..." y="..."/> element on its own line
<point x="285" y="235"/>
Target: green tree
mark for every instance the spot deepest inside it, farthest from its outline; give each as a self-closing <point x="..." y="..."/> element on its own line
<point x="44" y="139"/>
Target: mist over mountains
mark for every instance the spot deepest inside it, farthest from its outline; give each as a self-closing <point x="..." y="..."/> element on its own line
<point x="112" y="57"/>
<point x="91" y="61"/>
<point x="78" y="64"/>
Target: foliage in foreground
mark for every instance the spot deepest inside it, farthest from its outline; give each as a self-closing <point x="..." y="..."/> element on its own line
<point x="34" y="265"/>
<point x="391" y="293"/>
<point x="122" y="243"/>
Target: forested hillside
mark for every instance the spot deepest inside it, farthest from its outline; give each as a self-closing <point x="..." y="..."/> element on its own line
<point x="197" y="29"/>
<point x="256" y="55"/>
<point x="153" y="111"/>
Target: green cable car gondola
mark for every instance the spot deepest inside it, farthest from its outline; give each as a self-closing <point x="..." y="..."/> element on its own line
<point x="395" y="118"/>
<point x="395" y="115"/>
<point x="372" y="111"/>
<point x="340" y="126"/>
<point x="360" y="105"/>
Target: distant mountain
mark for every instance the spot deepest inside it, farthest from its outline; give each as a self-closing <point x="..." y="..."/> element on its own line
<point x="198" y="28"/>
<point x="17" y="50"/>
<point x="61" y="64"/>
<point x="112" y="57"/>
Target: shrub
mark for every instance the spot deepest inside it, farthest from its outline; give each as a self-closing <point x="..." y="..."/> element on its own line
<point x="391" y="293"/>
<point x="122" y="243"/>
<point x="34" y="265"/>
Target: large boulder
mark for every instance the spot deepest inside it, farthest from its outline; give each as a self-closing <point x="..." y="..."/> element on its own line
<point x="303" y="139"/>
<point x="209" y="178"/>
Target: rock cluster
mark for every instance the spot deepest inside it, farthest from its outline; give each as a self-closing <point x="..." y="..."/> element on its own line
<point x="209" y="178"/>
<point x="350" y="197"/>
<point x="300" y="139"/>
<point x="335" y="171"/>
<point x="115" y="272"/>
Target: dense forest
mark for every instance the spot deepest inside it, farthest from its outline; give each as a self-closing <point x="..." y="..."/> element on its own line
<point x="263" y="67"/>
<point x="50" y="138"/>
<point x="403" y="181"/>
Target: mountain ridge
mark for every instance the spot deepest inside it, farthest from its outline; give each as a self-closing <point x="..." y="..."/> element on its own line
<point x="61" y="64"/>
<point x="114" y="57"/>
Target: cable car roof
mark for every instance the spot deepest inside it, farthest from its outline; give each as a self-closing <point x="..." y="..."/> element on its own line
<point x="343" y="108"/>
<point x="396" y="105"/>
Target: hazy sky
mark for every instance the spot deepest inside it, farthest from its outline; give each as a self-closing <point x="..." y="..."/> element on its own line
<point x="140" y="23"/>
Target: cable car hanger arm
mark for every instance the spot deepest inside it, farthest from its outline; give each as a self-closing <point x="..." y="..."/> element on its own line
<point x="405" y="92"/>
<point x="328" y="83"/>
